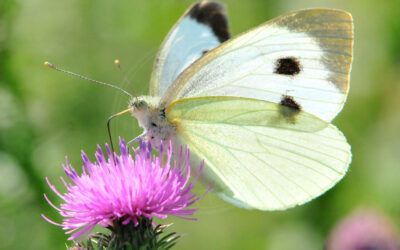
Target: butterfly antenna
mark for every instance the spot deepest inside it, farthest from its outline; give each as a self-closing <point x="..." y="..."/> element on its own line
<point x="124" y="75"/>
<point x="87" y="78"/>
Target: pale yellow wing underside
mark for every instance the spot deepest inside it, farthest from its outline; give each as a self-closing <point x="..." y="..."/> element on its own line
<point x="260" y="154"/>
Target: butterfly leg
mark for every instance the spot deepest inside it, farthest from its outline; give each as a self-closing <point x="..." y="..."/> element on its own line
<point x="138" y="138"/>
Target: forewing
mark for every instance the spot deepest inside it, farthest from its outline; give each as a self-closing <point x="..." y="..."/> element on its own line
<point x="258" y="155"/>
<point x="203" y="27"/>
<point x="304" y="56"/>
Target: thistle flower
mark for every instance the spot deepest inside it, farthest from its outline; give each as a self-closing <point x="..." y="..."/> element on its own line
<point x="125" y="190"/>
<point x="364" y="229"/>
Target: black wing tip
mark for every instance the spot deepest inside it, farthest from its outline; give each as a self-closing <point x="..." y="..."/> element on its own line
<point x="212" y="14"/>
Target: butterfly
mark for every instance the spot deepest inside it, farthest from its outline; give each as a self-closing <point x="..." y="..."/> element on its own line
<point x="256" y="108"/>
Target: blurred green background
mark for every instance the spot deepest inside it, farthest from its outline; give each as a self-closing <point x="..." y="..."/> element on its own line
<point x="45" y="115"/>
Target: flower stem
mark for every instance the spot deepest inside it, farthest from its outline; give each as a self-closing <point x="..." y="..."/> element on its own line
<point x="143" y="236"/>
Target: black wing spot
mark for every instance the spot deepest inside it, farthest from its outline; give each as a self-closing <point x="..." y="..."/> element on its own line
<point x="213" y="15"/>
<point x="287" y="66"/>
<point x="290" y="108"/>
<point x="205" y="52"/>
<point x="288" y="101"/>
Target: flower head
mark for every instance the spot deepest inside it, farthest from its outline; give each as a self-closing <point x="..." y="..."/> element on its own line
<point x="364" y="229"/>
<point x="124" y="189"/>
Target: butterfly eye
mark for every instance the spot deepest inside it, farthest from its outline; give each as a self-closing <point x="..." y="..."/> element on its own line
<point x="141" y="104"/>
<point x="138" y="104"/>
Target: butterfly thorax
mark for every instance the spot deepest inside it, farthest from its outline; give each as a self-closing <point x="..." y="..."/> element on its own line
<point x="151" y="117"/>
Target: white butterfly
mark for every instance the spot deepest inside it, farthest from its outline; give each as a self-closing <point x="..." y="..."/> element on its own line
<point x="257" y="108"/>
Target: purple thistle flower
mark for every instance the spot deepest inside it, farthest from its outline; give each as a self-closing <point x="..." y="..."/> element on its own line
<point x="126" y="190"/>
<point x="364" y="229"/>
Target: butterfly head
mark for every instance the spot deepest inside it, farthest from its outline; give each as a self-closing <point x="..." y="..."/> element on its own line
<point x="143" y="103"/>
<point x="143" y="108"/>
<point x="139" y="108"/>
<point x="138" y="104"/>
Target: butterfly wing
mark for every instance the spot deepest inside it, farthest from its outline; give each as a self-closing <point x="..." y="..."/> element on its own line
<point x="203" y="27"/>
<point x="260" y="154"/>
<point x="304" y="55"/>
